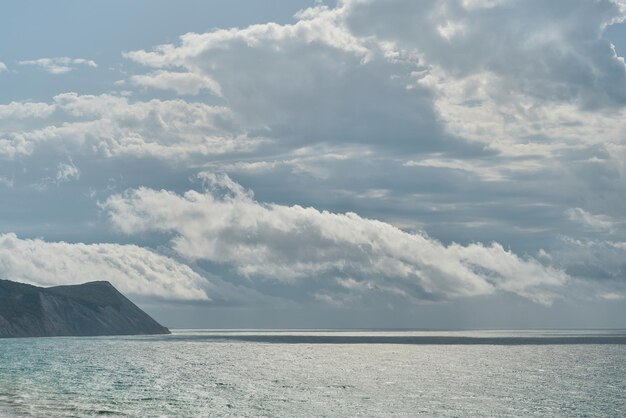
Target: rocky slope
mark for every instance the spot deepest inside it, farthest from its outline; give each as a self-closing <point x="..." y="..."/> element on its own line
<point x="90" y="309"/>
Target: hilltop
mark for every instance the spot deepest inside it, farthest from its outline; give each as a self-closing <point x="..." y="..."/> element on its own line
<point x="90" y="309"/>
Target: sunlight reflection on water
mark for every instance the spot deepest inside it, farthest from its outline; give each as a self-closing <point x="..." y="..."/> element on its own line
<point x="260" y="373"/>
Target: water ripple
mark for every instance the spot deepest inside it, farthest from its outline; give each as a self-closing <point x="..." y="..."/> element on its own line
<point x="253" y="373"/>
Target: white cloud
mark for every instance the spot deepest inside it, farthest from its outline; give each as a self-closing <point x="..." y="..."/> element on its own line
<point x="364" y="99"/>
<point x="291" y="243"/>
<point x="555" y="53"/>
<point x="353" y="109"/>
<point x="132" y="269"/>
<point x="597" y="222"/>
<point x="67" y="172"/>
<point x="345" y="75"/>
<point x="488" y="173"/>
<point x="310" y="82"/>
<point x="348" y="75"/>
<point x="25" y="110"/>
<point x="181" y="83"/>
<point x="450" y="30"/>
<point x="109" y="126"/>
<point x="3" y="67"/>
<point x="60" y="65"/>
<point x="338" y="76"/>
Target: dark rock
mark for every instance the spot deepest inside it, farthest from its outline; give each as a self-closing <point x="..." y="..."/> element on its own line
<point x="89" y="309"/>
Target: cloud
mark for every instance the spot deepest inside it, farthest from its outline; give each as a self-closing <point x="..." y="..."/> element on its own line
<point x="443" y="83"/>
<point x="109" y="126"/>
<point x="596" y="222"/>
<point x="386" y="73"/>
<point x="487" y="173"/>
<point x="550" y="53"/>
<point x="312" y="82"/>
<point x="181" y="83"/>
<point x="344" y="252"/>
<point x="476" y="121"/>
<point x="337" y="77"/>
<point x="60" y="65"/>
<point x="599" y="264"/>
<point x="25" y="110"/>
<point x="7" y="182"/>
<point x="132" y="269"/>
<point x="67" y="172"/>
<point x="3" y="67"/>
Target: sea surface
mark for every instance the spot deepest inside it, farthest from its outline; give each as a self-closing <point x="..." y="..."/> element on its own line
<point x="317" y="373"/>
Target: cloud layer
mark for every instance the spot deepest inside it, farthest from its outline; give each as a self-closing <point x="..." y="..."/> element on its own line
<point x="132" y="269"/>
<point x="291" y="243"/>
<point x="108" y="126"/>
<point x="60" y="65"/>
<point x="481" y="142"/>
<point x="553" y="52"/>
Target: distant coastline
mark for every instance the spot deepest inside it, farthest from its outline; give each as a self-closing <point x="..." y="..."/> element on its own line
<point x="408" y="337"/>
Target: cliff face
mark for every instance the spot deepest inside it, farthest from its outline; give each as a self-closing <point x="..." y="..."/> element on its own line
<point x="90" y="309"/>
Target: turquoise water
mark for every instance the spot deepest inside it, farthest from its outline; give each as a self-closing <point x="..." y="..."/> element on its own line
<point x="361" y="373"/>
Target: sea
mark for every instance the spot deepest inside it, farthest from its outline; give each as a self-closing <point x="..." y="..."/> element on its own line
<point x="325" y="373"/>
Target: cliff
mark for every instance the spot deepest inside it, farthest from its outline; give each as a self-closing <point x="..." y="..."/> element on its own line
<point x="89" y="309"/>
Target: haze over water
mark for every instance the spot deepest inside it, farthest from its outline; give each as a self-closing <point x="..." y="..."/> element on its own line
<point x="317" y="373"/>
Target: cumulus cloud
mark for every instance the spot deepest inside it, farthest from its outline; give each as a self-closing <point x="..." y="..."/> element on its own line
<point x="367" y="69"/>
<point x="313" y="82"/>
<point x="338" y="76"/>
<point x="181" y="83"/>
<point x="132" y="269"/>
<point x="271" y="242"/>
<point x="550" y="53"/>
<point x="60" y="65"/>
<point x="3" y="67"/>
<point x="512" y="79"/>
<point x="25" y="110"/>
<point x="475" y="120"/>
<point x="109" y="125"/>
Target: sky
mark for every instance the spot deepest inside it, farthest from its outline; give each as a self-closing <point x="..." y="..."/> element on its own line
<point x="318" y="164"/>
